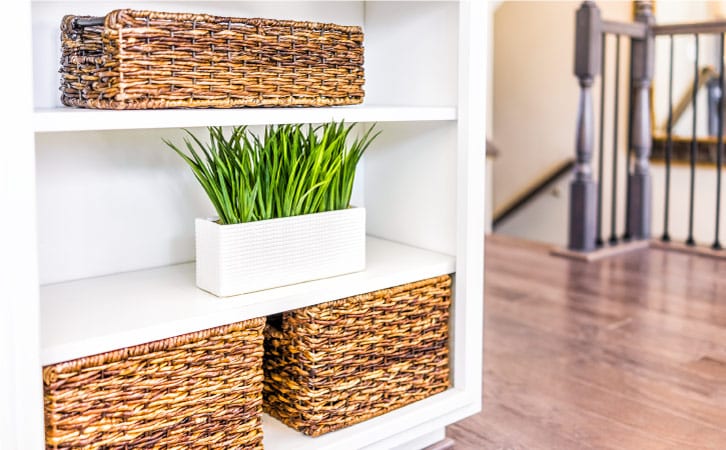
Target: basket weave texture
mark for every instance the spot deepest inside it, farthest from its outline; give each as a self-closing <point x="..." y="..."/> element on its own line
<point x="149" y="60"/>
<point x="339" y="363"/>
<point x="200" y="390"/>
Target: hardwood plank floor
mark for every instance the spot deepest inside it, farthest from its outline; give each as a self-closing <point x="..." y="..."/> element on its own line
<point x="623" y="353"/>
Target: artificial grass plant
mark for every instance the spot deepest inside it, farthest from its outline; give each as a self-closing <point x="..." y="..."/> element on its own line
<point x="292" y="170"/>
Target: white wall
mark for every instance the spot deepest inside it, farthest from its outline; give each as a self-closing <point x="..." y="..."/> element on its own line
<point x="545" y="217"/>
<point x="493" y="5"/>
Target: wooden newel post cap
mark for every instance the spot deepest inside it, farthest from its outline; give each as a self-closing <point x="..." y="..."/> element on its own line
<point x="644" y="7"/>
<point x="588" y="41"/>
<point x="643" y="50"/>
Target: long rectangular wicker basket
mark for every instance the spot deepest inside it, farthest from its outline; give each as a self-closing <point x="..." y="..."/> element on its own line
<point x="335" y="364"/>
<point x="201" y="389"/>
<point x="133" y="59"/>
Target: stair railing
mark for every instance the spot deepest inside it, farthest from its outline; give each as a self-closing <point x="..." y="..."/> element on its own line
<point x="585" y="233"/>
<point x="586" y="195"/>
<point x="696" y="30"/>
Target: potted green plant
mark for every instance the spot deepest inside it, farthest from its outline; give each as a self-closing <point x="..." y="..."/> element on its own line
<point x="283" y="205"/>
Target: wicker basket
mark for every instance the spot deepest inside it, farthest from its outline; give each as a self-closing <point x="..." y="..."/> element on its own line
<point x="339" y="363"/>
<point x="145" y="60"/>
<point x="203" y="388"/>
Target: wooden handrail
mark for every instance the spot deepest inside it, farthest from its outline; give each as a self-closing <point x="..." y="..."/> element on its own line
<point x="633" y="29"/>
<point x="543" y="183"/>
<point x="711" y="27"/>
<point x="706" y="150"/>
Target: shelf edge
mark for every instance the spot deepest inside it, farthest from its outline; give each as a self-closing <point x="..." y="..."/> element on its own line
<point x="55" y="120"/>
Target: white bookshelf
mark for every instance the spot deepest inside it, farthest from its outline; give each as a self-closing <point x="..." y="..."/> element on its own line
<point x="100" y="228"/>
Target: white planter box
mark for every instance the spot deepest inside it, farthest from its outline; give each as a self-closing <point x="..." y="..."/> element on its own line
<point x="248" y="257"/>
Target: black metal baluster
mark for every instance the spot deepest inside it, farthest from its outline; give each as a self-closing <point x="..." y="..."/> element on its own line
<point x="669" y="148"/>
<point x="719" y="148"/>
<point x="614" y="210"/>
<point x="690" y="240"/>
<point x="599" y="240"/>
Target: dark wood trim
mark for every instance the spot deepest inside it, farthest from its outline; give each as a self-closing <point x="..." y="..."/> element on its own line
<point x="627" y="247"/>
<point x="633" y="29"/>
<point x="564" y="168"/>
<point x="690" y="249"/>
<point x="711" y="27"/>
<point x="602" y="252"/>
<point x="706" y="148"/>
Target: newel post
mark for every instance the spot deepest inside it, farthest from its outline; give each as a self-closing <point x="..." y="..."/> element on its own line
<point x="583" y="190"/>
<point x="643" y="57"/>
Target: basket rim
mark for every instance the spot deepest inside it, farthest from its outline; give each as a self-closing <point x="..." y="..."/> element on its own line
<point x="115" y="20"/>
<point x="394" y="290"/>
<point x="50" y="371"/>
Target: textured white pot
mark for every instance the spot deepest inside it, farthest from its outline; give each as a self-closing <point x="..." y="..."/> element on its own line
<point x="248" y="257"/>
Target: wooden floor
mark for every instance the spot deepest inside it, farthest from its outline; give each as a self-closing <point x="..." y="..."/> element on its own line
<point x="624" y="353"/>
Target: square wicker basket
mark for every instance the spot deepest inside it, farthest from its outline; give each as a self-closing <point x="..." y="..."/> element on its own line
<point x="202" y="389"/>
<point x="133" y="59"/>
<point x="335" y="364"/>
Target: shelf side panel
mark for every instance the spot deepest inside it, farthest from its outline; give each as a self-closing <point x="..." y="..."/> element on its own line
<point x="21" y="390"/>
<point x="468" y="314"/>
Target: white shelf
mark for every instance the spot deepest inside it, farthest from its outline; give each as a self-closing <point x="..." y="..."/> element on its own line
<point x="366" y="434"/>
<point x="95" y="315"/>
<point x="76" y="119"/>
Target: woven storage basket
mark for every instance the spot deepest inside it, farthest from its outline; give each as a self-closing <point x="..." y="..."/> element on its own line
<point x="201" y="390"/>
<point x="143" y="60"/>
<point x="339" y="363"/>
